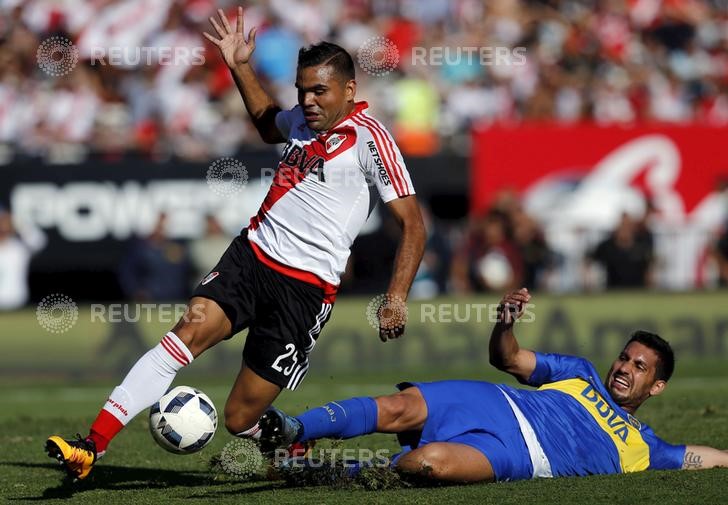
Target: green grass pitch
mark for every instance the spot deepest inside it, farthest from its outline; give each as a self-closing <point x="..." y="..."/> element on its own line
<point x="694" y="409"/>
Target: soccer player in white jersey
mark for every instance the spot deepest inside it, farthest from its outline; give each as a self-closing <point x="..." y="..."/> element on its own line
<point x="279" y="277"/>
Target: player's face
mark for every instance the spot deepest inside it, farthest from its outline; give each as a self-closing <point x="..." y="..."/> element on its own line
<point x="325" y="97"/>
<point x="631" y="379"/>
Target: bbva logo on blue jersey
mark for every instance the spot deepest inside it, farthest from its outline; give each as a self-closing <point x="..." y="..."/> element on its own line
<point x="614" y="421"/>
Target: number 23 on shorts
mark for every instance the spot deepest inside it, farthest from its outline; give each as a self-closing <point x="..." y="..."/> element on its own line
<point x="290" y="353"/>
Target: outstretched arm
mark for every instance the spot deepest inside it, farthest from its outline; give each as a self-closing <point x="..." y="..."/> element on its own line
<point x="409" y="255"/>
<point x="505" y="353"/>
<point x="699" y="456"/>
<point x="236" y="52"/>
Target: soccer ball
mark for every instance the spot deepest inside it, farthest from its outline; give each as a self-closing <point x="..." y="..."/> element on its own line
<point x="183" y="421"/>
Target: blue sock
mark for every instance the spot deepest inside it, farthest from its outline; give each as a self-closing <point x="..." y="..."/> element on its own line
<point x="344" y="419"/>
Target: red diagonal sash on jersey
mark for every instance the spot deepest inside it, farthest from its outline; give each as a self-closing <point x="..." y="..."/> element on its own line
<point x="297" y="162"/>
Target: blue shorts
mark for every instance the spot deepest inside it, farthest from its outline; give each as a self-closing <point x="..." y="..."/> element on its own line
<point x="476" y="414"/>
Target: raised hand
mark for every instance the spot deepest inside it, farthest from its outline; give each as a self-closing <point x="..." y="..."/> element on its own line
<point x="513" y="305"/>
<point x="234" y="48"/>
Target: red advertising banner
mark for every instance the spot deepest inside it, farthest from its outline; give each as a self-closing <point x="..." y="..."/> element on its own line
<point x="584" y="177"/>
<point x="677" y="165"/>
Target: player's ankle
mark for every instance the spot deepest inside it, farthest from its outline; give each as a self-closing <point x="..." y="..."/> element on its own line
<point x="99" y="441"/>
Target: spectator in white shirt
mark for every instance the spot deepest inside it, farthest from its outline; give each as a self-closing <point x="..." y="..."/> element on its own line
<point x="15" y="253"/>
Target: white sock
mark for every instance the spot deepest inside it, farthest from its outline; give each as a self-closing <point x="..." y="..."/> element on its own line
<point x="253" y="433"/>
<point x="149" y="378"/>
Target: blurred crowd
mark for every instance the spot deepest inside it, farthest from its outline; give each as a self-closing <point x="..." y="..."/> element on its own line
<point x="507" y="248"/>
<point x="603" y="61"/>
<point x="503" y="249"/>
<point x="608" y="61"/>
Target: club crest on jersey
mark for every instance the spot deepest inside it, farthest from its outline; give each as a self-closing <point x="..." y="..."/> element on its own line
<point x="209" y="277"/>
<point x="333" y="142"/>
<point x="634" y="422"/>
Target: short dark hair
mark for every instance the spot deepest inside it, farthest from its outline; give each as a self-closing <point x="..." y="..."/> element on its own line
<point x="326" y="53"/>
<point x="665" y="356"/>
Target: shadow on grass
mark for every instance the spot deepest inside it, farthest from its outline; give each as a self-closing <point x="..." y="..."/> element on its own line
<point x="120" y="478"/>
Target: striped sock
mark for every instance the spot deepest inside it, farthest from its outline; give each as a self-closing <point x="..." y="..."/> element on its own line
<point x="253" y="433"/>
<point x="145" y="383"/>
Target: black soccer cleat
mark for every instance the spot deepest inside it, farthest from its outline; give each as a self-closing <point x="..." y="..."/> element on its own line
<point x="278" y="430"/>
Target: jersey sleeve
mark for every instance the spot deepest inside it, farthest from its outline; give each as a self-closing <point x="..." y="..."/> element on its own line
<point x="286" y="119"/>
<point x="663" y="456"/>
<point x="558" y="367"/>
<point x="382" y="162"/>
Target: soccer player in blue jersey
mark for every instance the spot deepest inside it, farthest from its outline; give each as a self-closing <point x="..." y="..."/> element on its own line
<point x="472" y="431"/>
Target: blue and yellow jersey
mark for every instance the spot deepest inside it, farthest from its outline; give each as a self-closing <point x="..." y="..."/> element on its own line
<point x="580" y="428"/>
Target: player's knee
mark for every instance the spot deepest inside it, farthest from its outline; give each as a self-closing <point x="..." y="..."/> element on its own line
<point x="433" y="461"/>
<point x="203" y="325"/>
<point x="429" y="461"/>
<point x="190" y="338"/>
<point x="196" y="337"/>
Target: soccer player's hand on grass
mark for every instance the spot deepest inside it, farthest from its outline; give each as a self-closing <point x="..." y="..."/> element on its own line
<point x="234" y="48"/>
<point x="392" y="315"/>
<point x="512" y="306"/>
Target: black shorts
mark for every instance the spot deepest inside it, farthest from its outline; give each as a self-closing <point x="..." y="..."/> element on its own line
<point x="285" y="315"/>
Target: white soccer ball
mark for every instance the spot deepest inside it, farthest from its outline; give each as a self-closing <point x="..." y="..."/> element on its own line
<point x="183" y="421"/>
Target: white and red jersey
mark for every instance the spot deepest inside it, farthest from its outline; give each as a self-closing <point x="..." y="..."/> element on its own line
<point x="321" y="194"/>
